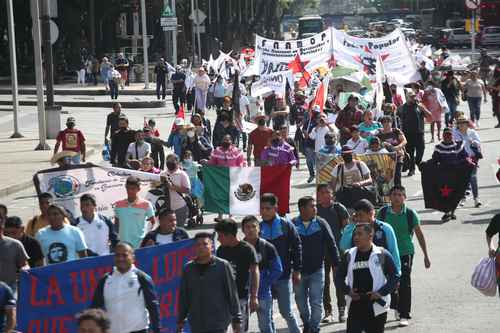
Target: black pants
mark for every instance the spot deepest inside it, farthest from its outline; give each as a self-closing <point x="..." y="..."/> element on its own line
<point x="403" y="296"/>
<point x="363" y="319"/>
<point x="190" y="100"/>
<point x="327" y="299"/>
<point x="113" y="89"/>
<point x="161" y="85"/>
<point x="158" y="156"/>
<point x="415" y="148"/>
<point x="397" y="173"/>
<point x="178" y="97"/>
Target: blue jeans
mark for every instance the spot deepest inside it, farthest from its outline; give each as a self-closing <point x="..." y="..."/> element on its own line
<point x="474" y="107"/>
<point x="309" y="298"/>
<point x="310" y="160"/>
<point x="283" y="291"/>
<point x="473" y="183"/>
<point x="265" y="315"/>
<point x="450" y="116"/>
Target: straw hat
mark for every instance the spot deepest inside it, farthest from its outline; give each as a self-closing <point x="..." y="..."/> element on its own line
<point x="62" y="154"/>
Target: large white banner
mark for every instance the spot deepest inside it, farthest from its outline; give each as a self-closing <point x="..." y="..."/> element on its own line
<point x="106" y="184"/>
<point x="399" y="63"/>
<point x="273" y="56"/>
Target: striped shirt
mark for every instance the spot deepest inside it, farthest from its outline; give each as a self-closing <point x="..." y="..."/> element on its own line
<point x="231" y="157"/>
<point x="449" y="154"/>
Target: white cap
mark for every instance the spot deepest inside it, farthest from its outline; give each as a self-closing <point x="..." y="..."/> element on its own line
<point x="316" y="108"/>
<point x="179" y="122"/>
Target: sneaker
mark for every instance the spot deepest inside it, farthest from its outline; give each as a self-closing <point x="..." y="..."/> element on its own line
<point x="453" y="217"/>
<point x="462" y="202"/>
<point x="396" y="315"/>
<point x="342" y="315"/>
<point x="310" y="179"/>
<point x="327" y="319"/>
<point x="404" y="322"/>
<point x="477" y="203"/>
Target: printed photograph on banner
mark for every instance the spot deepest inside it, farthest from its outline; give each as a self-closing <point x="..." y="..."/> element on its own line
<point x="107" y="184"/>
<point x="382" y="169"/>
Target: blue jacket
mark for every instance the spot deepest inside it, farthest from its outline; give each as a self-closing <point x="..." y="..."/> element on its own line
<point x="316" y="238"/>
<point x="283" y="235"/>
<point x="384" y="236"/>
<point x="270" y="267"/>
<point x="175" y="141"/>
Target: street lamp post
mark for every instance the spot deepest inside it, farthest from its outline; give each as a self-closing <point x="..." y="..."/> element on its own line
<point x="53" y="111"/>
<point x="145" y="44"/>
<point x="13" y="69"/>
<point x="37" y="53"/>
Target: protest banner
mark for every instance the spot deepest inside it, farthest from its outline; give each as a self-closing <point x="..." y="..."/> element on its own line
<point x="270" y="82"/>
<point x="382" y="169"/>
<point x="49" y="297"/>
<point x="107" y="184"/>
<point x="273" y="56"/>
<point x="399" y="63"/>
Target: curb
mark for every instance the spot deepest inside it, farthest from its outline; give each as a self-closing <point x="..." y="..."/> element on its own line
<point x="86" y="104"/>
<point x="84" y="92"/>
<point x="6" y="191"/>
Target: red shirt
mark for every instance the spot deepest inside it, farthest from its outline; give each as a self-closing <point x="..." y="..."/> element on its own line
<point x="71" y="139"/>
<point x="260" y="139"/>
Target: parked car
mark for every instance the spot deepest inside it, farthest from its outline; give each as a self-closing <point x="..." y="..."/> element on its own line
<point x="489" y="36"/>
<point x="455" y="37"/>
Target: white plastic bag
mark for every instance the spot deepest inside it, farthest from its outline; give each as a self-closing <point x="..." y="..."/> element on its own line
<point x="484" y="277"/>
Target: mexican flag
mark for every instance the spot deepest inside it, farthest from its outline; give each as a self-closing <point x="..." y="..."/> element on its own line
<point x="237" y="190"/>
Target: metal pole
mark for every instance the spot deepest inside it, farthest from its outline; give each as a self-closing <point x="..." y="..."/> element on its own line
<point x="13" y="68"/>
<point x="37" y="53"/>
<point x="145" y="44"/>
<point x="193" y="38"/>
<point x="473" y="33"/>
<point x="166" y="36"/>
<point x="174" y="37"/>
<point x="92" y="26"/>
<point x="49" y="59"/>
<point x="198" y="31"/>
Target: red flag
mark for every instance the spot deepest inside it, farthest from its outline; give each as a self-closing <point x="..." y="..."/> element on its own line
<point x="321" y="94"/>
<point x="299" y="66"/>
<point x="276" y="180"/>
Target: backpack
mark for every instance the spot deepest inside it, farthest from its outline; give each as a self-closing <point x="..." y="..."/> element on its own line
<point x="409" y="217"/>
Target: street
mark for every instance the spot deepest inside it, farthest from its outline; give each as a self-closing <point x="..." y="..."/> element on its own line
<point x="443" y="299"/>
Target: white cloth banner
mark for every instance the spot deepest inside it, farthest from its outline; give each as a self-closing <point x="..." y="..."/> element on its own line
<point x="273" y="56"/>
<point x="271" y="82"/>
<point x="106" y="184"/>
<point x="399" y="64"/>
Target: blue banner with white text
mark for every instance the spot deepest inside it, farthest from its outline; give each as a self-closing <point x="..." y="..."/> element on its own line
<point x="49" y="297"/>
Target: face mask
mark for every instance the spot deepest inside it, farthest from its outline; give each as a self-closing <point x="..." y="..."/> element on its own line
<point x="329" y="142"/>
<point x="261" y="122"/>
<point x="70" y="125"/>
<point x="190" y="134"/>
<point x="140" y="141"/>
<point x="171" y="166"/>
<point x="188" y="160"/>
<point x="225" y="145"/>
<point x="347" y="158"/>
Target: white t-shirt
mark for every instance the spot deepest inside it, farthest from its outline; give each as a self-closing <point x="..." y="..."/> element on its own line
<point x="164" y="239"/>
<point x="358" y="147"/>
<point x="244" y="102"/>
<point x="178" y="178"/>
<point x="351" y="175"/>
<point x="142" y="151"/>
<point x="318" y="134"/>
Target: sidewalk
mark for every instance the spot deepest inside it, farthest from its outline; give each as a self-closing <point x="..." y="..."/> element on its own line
<point x="20" y="161"/>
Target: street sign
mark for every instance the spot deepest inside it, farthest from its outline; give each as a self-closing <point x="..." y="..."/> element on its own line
<point x="197" y="16"/>
<point x="167" y="12"/>
<point x="54" y="32"/>
<point x="168" y="23"/>
<point x="472" y="4"/>
<point x="199" y="28"/>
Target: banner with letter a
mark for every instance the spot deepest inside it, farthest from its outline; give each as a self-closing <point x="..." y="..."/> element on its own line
<point x="51" y="296"/>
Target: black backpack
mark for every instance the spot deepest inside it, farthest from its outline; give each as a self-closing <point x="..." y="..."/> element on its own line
<point x="409" y="217"/>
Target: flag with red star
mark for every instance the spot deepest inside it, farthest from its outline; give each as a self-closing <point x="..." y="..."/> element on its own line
<point x="299" y="66"/>
<point x="444" y="188"/>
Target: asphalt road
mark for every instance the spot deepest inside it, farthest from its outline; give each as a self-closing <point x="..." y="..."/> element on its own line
<point x="443" y="300"/>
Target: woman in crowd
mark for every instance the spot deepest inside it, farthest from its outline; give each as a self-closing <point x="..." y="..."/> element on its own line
<point x="472" y="145"/>
<point x="147" y="165"/>
<point x="474" y="91"/>
<point x="393" y="140"/>
<point x="368" y="127"/>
